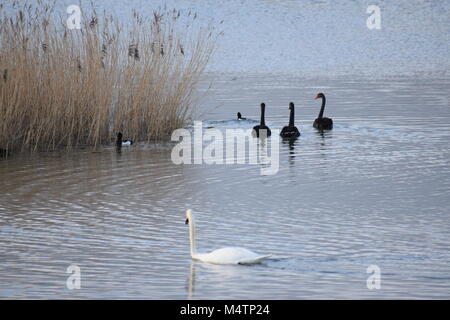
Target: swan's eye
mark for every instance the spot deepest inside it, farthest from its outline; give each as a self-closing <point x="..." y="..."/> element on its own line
<point x="187" y="221"/>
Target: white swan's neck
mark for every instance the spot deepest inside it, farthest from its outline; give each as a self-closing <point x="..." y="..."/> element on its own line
<point x="228" y="255"/>
<point x="192" y="235"/>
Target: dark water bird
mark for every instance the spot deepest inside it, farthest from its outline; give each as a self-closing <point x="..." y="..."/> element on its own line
<point x="322" y="123"/>
<point x="262" y="125"/>
<point x="290" y="131"/>
<point x="239" y="116"/>
<point x="120" y="142"/>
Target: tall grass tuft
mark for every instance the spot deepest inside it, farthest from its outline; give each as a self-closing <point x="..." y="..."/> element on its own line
<point x="62" y="87"/>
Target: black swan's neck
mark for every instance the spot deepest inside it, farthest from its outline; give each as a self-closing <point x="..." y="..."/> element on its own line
<point x="322" y="109"/>
<point x="291" y="117"/>
<point x="262" y="115"/>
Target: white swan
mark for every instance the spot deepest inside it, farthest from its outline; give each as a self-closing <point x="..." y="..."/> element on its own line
<point x="229" y="255"/>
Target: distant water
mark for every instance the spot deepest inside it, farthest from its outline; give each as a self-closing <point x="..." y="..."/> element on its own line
<point x="374" y="191"/>
<point x="313" y="38"/>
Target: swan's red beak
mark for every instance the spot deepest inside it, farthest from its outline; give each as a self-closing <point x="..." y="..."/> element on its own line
<point x="317" y="97"/>
<point x="187" y="221"/>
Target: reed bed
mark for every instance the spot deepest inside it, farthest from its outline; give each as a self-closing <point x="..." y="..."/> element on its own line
<point x="65" y="88"/>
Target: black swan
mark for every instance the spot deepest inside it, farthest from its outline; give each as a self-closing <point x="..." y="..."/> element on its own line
<point x="322" y="123"/>
<point x="120" y="142"/>
<point x="239" y="116"/>
<point x="262" y="125"/>
<point x="291" y="130"/>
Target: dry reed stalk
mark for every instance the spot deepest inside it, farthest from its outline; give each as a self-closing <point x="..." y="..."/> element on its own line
<point x="63" y="87"/>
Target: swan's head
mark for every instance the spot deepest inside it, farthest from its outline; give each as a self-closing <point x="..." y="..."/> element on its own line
<point x="291" y="105"/>
<point x="119" y="136"/>
<point x="188" y="216"/>
<point x="239" y="115"/>
<point x="263" y="105"/>
<point x="320" y="95"/>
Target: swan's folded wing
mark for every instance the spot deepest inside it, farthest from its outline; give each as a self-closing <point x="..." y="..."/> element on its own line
<point x="232" y="255"/>
<point x="255" y="260"/>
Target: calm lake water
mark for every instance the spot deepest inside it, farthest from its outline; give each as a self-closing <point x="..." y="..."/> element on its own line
<point x="373" y="191"/>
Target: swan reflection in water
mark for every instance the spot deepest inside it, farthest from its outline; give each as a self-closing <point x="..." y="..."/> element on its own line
<point x="207" y="279"/>
<point x="291" y="144"/>
<point x="323" y="137"/>
<point x="190" y="287"/>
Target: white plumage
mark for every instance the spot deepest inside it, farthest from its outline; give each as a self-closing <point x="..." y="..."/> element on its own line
<point x="228" y="255"/>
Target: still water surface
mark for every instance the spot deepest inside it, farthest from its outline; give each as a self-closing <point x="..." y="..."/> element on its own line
<point x="374" y="191"/>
